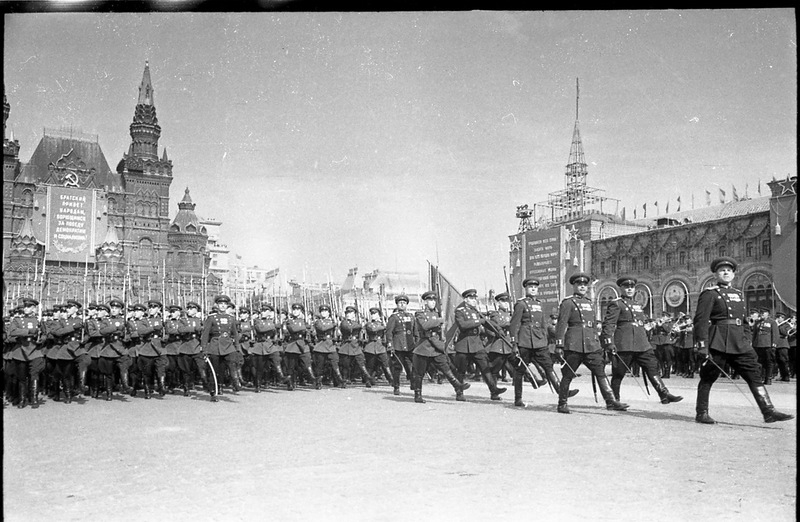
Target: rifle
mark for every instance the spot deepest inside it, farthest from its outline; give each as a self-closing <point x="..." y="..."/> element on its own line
<point x="505" y="279"/>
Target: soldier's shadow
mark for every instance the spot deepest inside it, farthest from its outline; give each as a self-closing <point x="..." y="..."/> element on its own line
<point x="658" y="415"/>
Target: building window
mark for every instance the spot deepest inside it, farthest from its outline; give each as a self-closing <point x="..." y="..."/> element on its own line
<point x="613" y="266"/>
<point x="748" y="249"/>
<point x="707" y="255"/>
<point x="634" y="265"/>
<point x="602" y="267"/>
<point x="669" y="259"/>
<point x="682" y="258"/>
<point x="646" y="263"/>
<point x="722" y="251"/>
<point x="765" y="248"/>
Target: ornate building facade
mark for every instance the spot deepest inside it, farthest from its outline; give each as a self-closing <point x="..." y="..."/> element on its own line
<point x="75" y="228"/>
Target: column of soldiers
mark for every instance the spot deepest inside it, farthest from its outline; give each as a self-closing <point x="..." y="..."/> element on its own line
<point x="67" y="353"/>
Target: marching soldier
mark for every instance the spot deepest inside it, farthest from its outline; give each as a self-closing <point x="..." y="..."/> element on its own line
<point x="529" y="331"/>
<point x="625" y="339"/>
<point x="469" y="345"/>
<point x="26" y="356"/>
<point x="190" y="353"/>
<point x="721" y="334"/>
<point x="400" y="342"/>
<point x="297" y="350"/>
<point x="266" y="348"/>
<point x="577" y="342"/>
<point x="52" y="346"/>
<point x="350" y="349"/>
<point x="501" y="353"/>
<point x="172" y="338"/>
<point x="245" y="327"/>
<point x="782" y="347"/>
<point x="684" y="342"/>
<point x="324" y="350"/>
<point x="429" y="349"/>
<point x="135" y="323"/>
<point x="375" y="349"/>
<point x="114" y="352"/>
<point x="152" y="355"/>
<point x="68" y="338"/>
<point x="87" y="361"/>
<point x="765" y="341"/>
<point x="220" y="340"/>
<point x="663" y="343"/>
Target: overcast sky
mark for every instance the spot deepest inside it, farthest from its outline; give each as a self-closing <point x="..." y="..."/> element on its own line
<point x="377" y="140"/>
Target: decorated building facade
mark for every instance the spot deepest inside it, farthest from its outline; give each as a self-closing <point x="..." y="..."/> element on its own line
<point x="75" y="228"/>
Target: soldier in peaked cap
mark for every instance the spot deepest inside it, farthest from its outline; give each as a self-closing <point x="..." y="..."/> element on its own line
<point x="297" y="349"/>
<point x="266" y="349"/>
<point x="152" y="356"/>
<point x="625" y="338"/>
<point x="172" y="340"/>
<point x="721" y="332"/>
<point x="191" y="358"/>
<point x="350" y="350"/>
<point x="430" y="349"/>
<point x="135" y="340"/>
<point x="400" y="342"/>
<point x="242" y="359"/>
<point x="500" y="349"/>
<point x="89" y="356"/>
<point x="69" y="337"/>
<point x="220" y="340"/>
<point x="469" y="344"/>
<point x="324" y="351"/>
<point x="782" y="347"/>
<point x="577" y="342"/>
<point x="375" y="349"/>
<point x="765" y="342"/>
<point x="528" y="330"/>
<point x="114" y="352"/>
<point x="26" y="354"/>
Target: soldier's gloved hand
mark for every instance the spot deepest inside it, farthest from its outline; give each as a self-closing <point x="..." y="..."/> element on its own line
<point x="611" y="349"/>
<point x="701" y="349"/>
<point x="560" y="351"/>
<point x="482" y="320"/>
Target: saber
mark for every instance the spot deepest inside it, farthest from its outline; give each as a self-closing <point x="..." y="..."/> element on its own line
<point x="544" y="375"/>
<point x="644" y="378"/>
<point x="709" y="359"/>
<point x="619" y="358"/>
<point x="213" y="374"/>
<point x="532" y="377"/>
<point x="402" y="368"/>
<point x="594" y="387"/>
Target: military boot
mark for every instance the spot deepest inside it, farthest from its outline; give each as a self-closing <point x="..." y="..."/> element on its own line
<point x="517" y="381"/>
<point x="67" y="391"/>
<point x="338" y="380"/>
<point x="608" y="395"/>
<point x="35" y="393"/>
<point x="147" y="391"/>
<point x="23" y="393"/>
<point x="663" y="392"/>
<point x="109" y="386"/>
<point x="615" y="384"/>
<point x="458" y="386"/>
<point x="765" y="405"/>
<point x="553" y="378"/>
<point x="82" y="388"/>
<point x="563" y="396"/>
<point x="701" y="408"/>
<point x="161" y="386"/>
<point x="494" y="390"/>
<point x="370" y="380"/>
<point x="56" y="390"/>
<point x="418" y="392"/>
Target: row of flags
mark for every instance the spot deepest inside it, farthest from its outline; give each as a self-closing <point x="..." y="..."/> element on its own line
<point x="723" y="198"/>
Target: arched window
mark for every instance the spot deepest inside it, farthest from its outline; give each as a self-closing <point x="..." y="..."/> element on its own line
<point x="669" y="259"/>
<point x="682" y="258"/>
<point x="112" y="205"/>
<point x="722" y="251"/>
<point x="758" y="292"/>
<point x="605" y="296"/>
<point x="644" y="298"/>
<point x="139" y="208"/>
<point x="27" y="197"/>
<point x="634" y="264"/>
<point x="765" y="248"/>
<point x="748" y="249"/>
<point x="646" y="263"/>
<point x="707" y="255"/>
<point x="174" y="228"/>
<point x="191" y="229"/>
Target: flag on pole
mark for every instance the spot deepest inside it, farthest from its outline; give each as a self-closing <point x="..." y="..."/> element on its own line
<point x="735" y="194"/>
<point x="759" y="187"/>
<point x="666" y="210"/>
<point x="656" y="205"/>
<point x="449" y="297"/>
<point x="644" y="210"/>
<point x="623" y="214"/>
<point x="721" y="195"/>
<point x="679" y="204"/>
<point x="634" y="212"/>
<point x="708" y="198"/>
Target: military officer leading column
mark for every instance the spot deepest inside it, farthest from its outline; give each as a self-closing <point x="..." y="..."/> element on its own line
<point x="721" y="332"/>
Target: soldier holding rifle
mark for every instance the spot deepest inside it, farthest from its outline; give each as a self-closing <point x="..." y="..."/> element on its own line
<point x="26" y="355"/>
<point x="400" y="342"/>
<point x="325" y="350"/>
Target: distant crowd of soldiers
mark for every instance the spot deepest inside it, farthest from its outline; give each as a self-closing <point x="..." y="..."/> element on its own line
<point x="101" y="349"/>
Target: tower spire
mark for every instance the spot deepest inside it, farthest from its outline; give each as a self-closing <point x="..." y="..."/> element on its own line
<point x="145" y="130"/>
<point x="576" y="166"/>
<point x="146" y="87"/>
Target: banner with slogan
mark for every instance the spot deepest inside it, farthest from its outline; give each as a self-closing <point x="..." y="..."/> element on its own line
<point x="543" y="250"/>
<point x="73" y="224"/>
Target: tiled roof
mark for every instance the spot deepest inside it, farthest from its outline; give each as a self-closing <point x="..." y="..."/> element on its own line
<point x="51" y="148"/>
<point x="724" y="211"/>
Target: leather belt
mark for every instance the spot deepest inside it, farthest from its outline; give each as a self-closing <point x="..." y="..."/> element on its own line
<point x="637" y="323"/>
<point x="737" y="322"/>
<point x="471" y="331"/>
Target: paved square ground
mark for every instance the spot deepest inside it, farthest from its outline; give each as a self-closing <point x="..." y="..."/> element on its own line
<point x="365" y="454"/>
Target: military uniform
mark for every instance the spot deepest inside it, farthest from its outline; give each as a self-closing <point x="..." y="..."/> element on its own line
<point x="765" y="341"/>
<point x="350" y="350"/>
<point x="191" y="358"/>
<point x="94" y="343"/>
<point x="429" y="350"/>
<point x="69" y="341"/>
<point x="134" y="341"/>
<point x="172" y="340"/>
<point x="722" y="335"/>
<point x="782" y="348"/>
<point x="375" y="349"/>
<point x="266" y="349"/>
<point x="683" y="332"/>
<point x="297" y="350"/>
<point x="663" y="344"/>
<point x="325" y="350"/>
<point x="577" y="338"/>
<point x="26" y="355"/>
<point x="242" y="358"/>
<point x="469" y="345"/>
<point x="625" y="338"/>
<point x="220" y="341"/>
<point x="114" y="353"/>
<point x="528" y="329"/>
<point x="501" y="353"/>
<point x="152" y="357"/>
<point x="400" y="343"/>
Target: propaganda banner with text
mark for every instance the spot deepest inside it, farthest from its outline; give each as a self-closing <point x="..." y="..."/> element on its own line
<point x="72" y="224"/>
